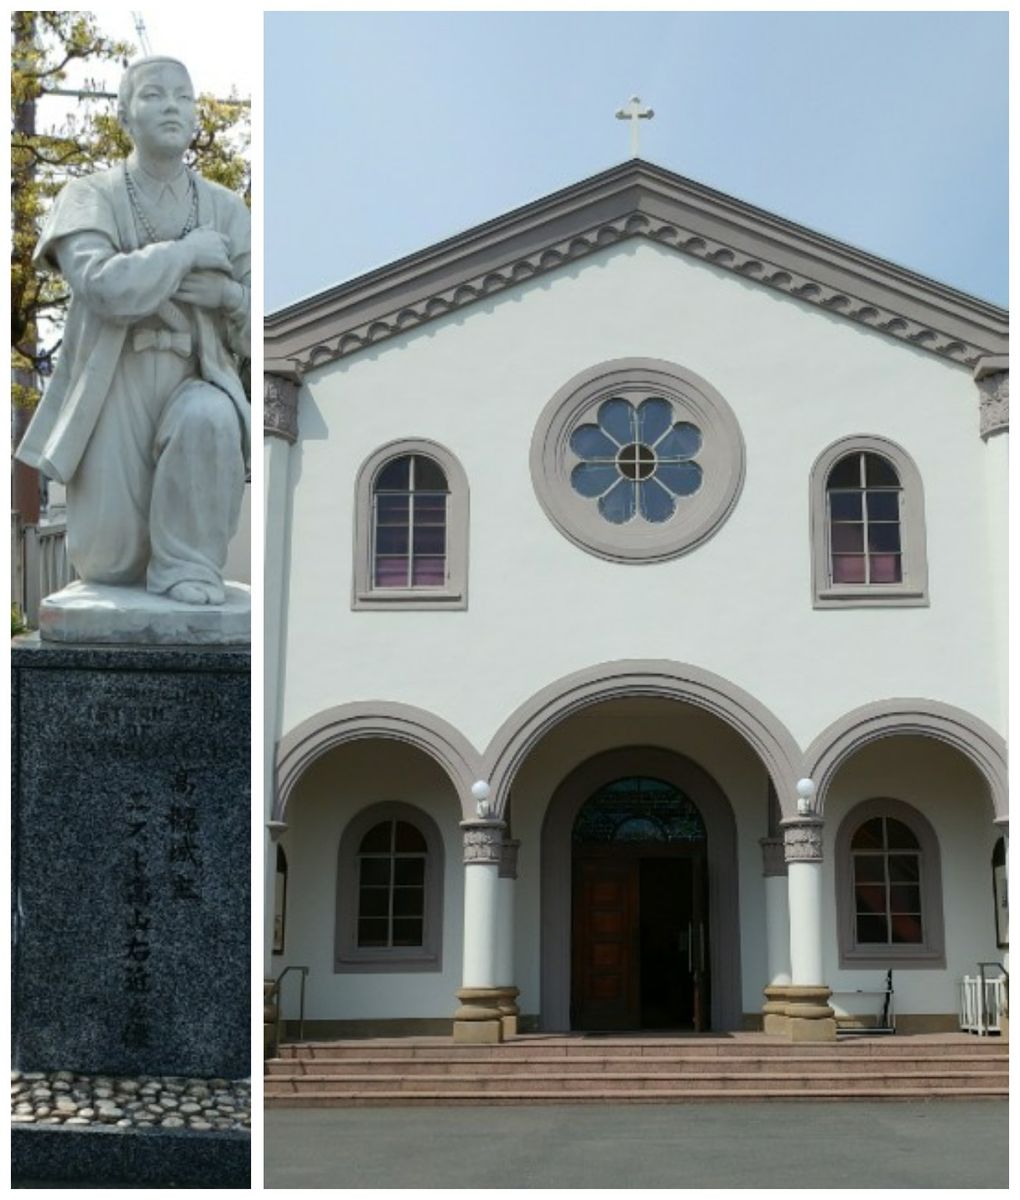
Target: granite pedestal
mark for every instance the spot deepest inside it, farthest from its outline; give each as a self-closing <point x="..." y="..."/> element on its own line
<point x="131" y="860"/>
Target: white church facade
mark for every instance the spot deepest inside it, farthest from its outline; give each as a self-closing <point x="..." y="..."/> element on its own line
<point x="636" y="617"/>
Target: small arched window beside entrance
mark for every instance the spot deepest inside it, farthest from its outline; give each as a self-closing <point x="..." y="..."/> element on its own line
<point x="389" y="891"/>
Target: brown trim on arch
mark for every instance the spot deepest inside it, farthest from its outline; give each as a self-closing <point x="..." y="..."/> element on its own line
<point x="723" y="902"/>
<point x="298" y="749"/>
<point x="977" y="741"/>
<point x="521" y="732"/>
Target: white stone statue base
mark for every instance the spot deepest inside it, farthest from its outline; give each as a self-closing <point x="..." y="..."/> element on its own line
<point x="96" y="613"/>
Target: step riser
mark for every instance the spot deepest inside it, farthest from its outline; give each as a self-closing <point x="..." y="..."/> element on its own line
<point x="560" y="1051"/>
<point x="401" y="1067"/>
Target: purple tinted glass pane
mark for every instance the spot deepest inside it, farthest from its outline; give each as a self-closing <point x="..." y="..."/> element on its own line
<point x="395" y="476"/>
<point x="430" y="539"/>
<point x="845" y="506"/>
<point x="871" y="930"/>
<point x="654" y="417"/>
<point x="619" y="504"/>
<point x="683" y="479"/>
<point x="870" y="898"/>
<point x="846" y="473"/>
<point x="868" y="835"/>
<point x="391" y="572"/>
<point x="617" y="418"/>
<point x="391" y="510"/>
<point x="428" y="475"/>
<point x="429" y="509"/>
<point x="883" y="506"/>
<point x="682" y="441"/>
<point x="391" y="539"/>
<point x="847" y="568"/>
<point x="656" y="503"/>
<point x="907" y="929"/>
<point x="846" y="538"/>
<point x="429" y="572"/>
<point x="885" y="568"/>
<point x="884" y="538"/>
<point x="593" y="479"/>
<point x="588" y="441"/>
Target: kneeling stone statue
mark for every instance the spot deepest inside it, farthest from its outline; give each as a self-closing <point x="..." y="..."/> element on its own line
<point x="145" y="419"/>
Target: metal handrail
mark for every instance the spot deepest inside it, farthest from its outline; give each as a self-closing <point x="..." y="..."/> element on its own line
<point x="275" y="991"/>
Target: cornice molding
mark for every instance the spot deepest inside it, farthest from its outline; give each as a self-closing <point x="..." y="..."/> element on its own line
<point x="633" y="200"/>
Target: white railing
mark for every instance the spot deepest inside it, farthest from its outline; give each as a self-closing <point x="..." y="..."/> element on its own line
<point x="39" y="564"/>
<point x="982" y="1004"/>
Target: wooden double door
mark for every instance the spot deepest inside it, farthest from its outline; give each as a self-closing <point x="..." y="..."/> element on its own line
<point x="639" y="939"/>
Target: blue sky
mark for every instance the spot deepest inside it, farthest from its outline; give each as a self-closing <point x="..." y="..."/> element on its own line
<point x="385" y="132"/>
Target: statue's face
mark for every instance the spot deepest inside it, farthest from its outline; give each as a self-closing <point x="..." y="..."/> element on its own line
<point x="161" y="112"/>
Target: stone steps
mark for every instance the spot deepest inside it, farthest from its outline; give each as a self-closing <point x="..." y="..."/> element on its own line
<point x="542" y="1069"/>
<point x="612" y="1065"/>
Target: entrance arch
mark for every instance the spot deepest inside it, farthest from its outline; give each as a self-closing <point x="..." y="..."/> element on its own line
<point x="723" y="950"/>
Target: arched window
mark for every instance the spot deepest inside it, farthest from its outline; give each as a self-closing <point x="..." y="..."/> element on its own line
<point x="1000" y="895"/>
<point x="411" y="529"/>
<point x="889" y="889"/>
<point x="389" y="891"/>
<point x="280" y="902"/>
<point x="867" y="517"/>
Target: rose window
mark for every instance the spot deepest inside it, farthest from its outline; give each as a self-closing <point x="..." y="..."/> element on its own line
<point x="636" y="460"/>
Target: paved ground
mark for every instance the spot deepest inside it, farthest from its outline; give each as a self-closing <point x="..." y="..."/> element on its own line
<point x="943" y="1144"/>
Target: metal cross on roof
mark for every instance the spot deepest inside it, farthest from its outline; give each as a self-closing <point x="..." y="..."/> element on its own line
<point x="633" y="112"/>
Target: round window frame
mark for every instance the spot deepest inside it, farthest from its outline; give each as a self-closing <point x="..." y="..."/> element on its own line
<point x="722" y="459"/>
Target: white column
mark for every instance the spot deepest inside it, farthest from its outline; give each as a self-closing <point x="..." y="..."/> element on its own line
<point x="280" y="431"/>
<point x="478" y="1019"/>
<point x="777" y="912"/>
<point x="505" y="972"/>
<point x="991" y="374"/>
<point x="809" y="1017"/>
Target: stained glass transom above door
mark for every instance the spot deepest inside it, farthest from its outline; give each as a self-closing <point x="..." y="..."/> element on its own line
<point x="638" y="809"/>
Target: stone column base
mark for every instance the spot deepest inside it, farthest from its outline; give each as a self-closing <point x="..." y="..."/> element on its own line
<point x="479" y="1019"/>
<point x="508" y="1010"/>
<point x="809" y="1018"/>
<point x="775" y="1021"/>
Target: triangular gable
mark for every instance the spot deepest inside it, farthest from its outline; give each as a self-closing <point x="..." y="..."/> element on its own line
<point x="635" y="199"/>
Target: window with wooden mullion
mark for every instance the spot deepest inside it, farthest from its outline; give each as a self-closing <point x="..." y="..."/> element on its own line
<point x="409" y="525"/>
<point x="887" y="892"/>
<point x="864" y="522"/>
<point x="391" y="895"/>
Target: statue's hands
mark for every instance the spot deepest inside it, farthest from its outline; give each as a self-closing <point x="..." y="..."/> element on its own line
<point x="208" y="250"/>
<point x="210" y="289"/>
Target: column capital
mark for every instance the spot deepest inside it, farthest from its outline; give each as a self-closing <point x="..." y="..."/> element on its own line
<point x="992" y="378"/>
<point x="276" y="829"/>
<point x="483" y="841"/>
<point x="802" y="838"/>
<point x="1002" y="825"/>
<point x="772" y="856"/>
<point x="508" y="858"/>
<point x="279" y="407"/>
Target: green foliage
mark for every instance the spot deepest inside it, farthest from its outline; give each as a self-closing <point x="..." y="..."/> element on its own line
<point x="44" y="46"/>
<point x="18" y="624"/>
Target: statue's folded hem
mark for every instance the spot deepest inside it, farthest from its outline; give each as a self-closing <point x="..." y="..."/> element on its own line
<point x="100" y="614"/>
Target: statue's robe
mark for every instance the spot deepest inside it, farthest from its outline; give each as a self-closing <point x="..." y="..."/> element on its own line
<point x="86" y="431"/>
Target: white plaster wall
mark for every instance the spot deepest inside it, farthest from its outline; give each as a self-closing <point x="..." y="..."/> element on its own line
<point x="333" y="791"/>
<point x="949" y="792"/>
<point x="740" y="605"/>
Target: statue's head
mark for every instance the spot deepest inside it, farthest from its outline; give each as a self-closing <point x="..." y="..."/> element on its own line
<point x="156" y="105"/>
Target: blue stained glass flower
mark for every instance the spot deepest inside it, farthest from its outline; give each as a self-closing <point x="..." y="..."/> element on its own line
<point x="636" y="460"/>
